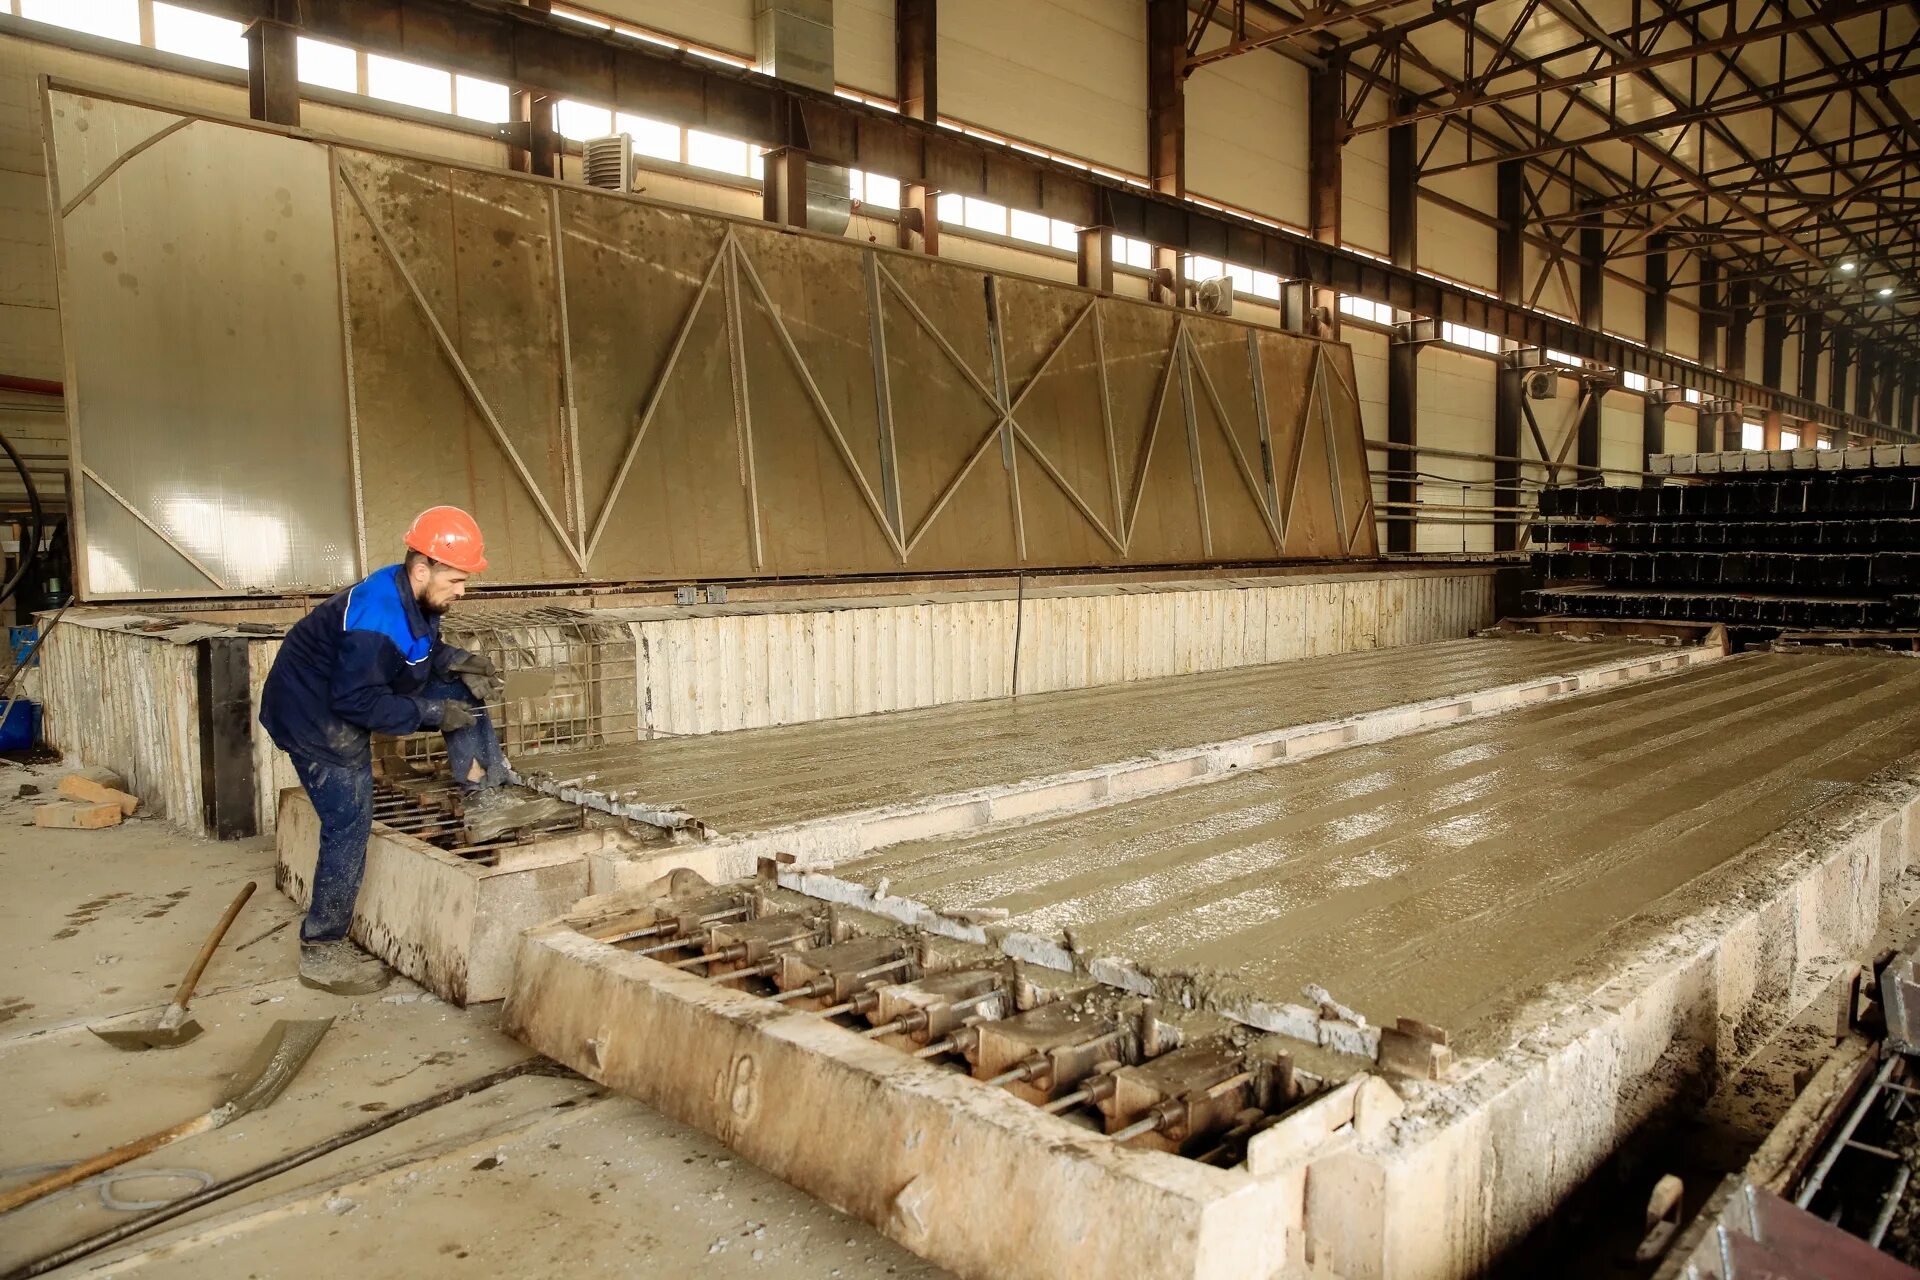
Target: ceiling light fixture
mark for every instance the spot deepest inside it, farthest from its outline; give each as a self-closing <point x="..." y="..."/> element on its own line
<point x="1847" y="267"/>
<point x="1886" y="291"/>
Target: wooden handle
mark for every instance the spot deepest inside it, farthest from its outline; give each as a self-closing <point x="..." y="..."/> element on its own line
<point x="184" y="992"/>
<point x="101" y="1163"/>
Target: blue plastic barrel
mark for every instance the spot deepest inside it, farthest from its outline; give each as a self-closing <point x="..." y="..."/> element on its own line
<point x="21" y="727"/>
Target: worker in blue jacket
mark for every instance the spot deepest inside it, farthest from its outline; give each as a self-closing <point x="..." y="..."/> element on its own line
<point x="370" y="660"/>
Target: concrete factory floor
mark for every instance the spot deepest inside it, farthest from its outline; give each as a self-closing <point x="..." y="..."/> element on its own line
<point x="1443" y="875"/>
<point x="758" y="778"/>
<point x="538" y="1176"/>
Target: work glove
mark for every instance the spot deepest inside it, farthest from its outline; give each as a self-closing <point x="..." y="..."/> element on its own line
<point x="481" y="677"/>
<point x="455" y="714"/>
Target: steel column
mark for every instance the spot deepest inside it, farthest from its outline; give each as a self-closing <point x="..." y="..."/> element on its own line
<point x="1653" y="415"/>
<point x="1095" y="253"/>
<point x="783" y="189"/>
<point x="1739" y="320"/>
<point x="916" y="69"/>
<point x="1167" y="127"/>
<point x="1774" y="344"/>
<point x="1706" y="432"/>
<point x="1593" y="261"/>
<point x="1841" y="362"/>
<point x="1812" y="337"/>
<point x="1510" y="244"/>
<point x="1326" y="123"/>
<point x="273" y="72"/>
<point x="1403" y="356"/>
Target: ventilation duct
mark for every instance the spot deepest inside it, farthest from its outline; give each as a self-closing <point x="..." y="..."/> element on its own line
<point x="793" y="41"/>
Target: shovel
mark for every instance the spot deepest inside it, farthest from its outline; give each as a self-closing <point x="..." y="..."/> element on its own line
<point x="173" y="1028"/>
<point x="274" y="1064"/>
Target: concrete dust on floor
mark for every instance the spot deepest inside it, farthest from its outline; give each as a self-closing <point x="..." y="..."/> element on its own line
<point x="535" y="1176"/>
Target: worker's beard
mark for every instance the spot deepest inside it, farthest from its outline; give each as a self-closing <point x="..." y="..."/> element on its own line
<point x="433" y="604"/>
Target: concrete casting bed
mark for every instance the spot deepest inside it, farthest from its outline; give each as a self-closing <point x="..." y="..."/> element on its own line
<point x="448" y="923"/>
<point x="825" y="793"/>
<point x="1608" y="901"/>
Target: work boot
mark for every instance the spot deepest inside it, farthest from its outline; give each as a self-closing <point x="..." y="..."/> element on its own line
<point x="341" y="968"/>
<point x="492" y="812"/>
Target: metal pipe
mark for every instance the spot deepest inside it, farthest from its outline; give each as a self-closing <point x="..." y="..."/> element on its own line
<point x="755" y="972"/>
<point x="1139" y="1127"/>
<point x="655" y="929"/>
<point x="1845" y="1135"/>
<point x="737" y="951"/>
<point x="1880" y="1224"/>
<point x="1027" y="1068"/>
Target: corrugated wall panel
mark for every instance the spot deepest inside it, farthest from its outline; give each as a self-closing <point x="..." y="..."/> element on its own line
<point x="825" y="661"/>
<point x="129" y="702"/>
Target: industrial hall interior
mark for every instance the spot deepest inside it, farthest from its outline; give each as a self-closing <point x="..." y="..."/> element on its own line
<point x="999" y="639"/>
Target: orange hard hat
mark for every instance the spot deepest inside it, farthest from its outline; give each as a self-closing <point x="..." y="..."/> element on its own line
<point x="451" y="536"/>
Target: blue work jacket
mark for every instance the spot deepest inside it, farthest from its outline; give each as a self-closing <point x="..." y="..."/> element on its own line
<point x="356" y="665"/>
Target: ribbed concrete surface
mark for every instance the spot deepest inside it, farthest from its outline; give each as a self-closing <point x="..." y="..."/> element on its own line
<point x="757" y="778"/>
<point x="1440" y="875"/>
<point x="716" y="668"/>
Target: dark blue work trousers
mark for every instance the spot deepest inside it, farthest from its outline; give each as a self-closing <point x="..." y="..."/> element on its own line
<point x="342" y="796"/>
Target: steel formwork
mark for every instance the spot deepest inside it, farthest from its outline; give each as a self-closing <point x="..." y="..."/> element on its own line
<point x="623" y="390"/>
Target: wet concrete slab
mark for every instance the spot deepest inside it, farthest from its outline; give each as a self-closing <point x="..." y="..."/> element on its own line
<point x="758" y="778"/>
<point x="1444" y="875"/>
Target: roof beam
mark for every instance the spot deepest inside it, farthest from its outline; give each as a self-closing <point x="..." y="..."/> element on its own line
<point x="1832" y="13"/>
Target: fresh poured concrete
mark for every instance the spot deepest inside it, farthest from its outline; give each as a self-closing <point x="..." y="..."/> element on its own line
<point x="761" y="778"/>
<point x="1441" y="876"/>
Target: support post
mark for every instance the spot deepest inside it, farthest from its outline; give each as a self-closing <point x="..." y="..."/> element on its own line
<point x="1812" y="337"/>
<point x="1653" y="415"/>
<point x="1773" y="336"/>
<point x="1739" y="320"/>
<point x="1706" y="432"/>
<point x="916" y="82"/>
<point x="1841" y="362"/>
<point x="1593" y="290"/>
<point x="1096" y="258"/>
<point x="1167" y="126"/>
<point x="1326" y="124"/>
<point x="539" y="154"/>
<point x="783" y="189"/>
<point x="273" y="72"/>
<point x="1508" y="385"/>
<point x="1403" y="357"/>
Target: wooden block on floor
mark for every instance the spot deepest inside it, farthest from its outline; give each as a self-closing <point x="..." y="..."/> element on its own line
<point x="90" y="790"/>
<point x="73" y="814"/>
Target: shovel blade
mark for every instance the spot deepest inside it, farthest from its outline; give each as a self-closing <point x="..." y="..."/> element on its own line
<point x="274" y="1064"/>
<point x="134" y="1039"/>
